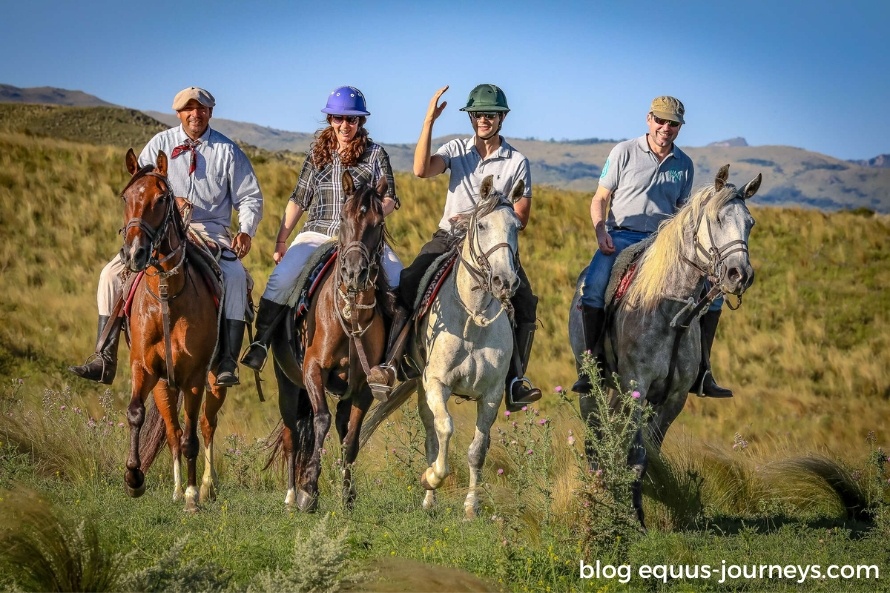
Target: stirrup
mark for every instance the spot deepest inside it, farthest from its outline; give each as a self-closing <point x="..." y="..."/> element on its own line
<point x="511" y="403"/>
<point x="265" y="356"/>
<point x="382" y="391"/>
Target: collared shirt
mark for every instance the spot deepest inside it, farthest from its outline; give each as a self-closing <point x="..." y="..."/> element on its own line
<point x="644" y="190"/>
<point x="223" y="179"/>
<point x="507" y="165"/>
<point x="320" y="191"/>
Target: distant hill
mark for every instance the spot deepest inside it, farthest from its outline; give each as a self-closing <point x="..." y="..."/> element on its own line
<point x="45" y="95"/>
<point x="792" y="176"/>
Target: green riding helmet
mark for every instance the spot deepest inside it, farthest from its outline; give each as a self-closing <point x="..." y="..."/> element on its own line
<point x="486" y="97"/>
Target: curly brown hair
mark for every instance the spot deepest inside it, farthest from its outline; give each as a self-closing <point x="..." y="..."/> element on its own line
<point x="322" y="150"/>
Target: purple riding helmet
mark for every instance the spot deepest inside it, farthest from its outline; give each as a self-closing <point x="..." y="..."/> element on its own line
<point x="346" y="100"/>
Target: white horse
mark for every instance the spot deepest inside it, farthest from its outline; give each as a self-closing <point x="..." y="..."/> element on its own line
<point x="467" y="341"/>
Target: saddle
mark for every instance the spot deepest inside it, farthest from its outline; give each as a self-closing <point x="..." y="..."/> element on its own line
<point x="432" y="281"/>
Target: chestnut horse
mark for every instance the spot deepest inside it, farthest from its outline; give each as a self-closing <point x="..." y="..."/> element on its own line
<point x="341" y="337"/>
<point x="173" y="332"/>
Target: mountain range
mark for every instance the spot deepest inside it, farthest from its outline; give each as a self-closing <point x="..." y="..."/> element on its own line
<point x="792" y="176"/>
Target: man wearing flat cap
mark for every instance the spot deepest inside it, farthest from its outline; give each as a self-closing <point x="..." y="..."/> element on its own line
<point x="647" y="179"/>
<point x="212" y="173"/>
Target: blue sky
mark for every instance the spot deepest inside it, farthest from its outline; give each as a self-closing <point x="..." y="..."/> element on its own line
<point x="811" y="74"/>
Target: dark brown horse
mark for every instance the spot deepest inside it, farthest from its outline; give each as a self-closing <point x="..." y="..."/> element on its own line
<point x="173" y="334"/>
<point x="341" y="337"/>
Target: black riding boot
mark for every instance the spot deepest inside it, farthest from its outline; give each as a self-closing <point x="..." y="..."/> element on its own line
<point x="268" y="317"/>
<point x="383" y="376"/>
<point x="705" y="383"/>
<point x="593" y="320"/>
<point x="101" y="366"/>
<point x="230" y="348"/>
<point x="520" y="391"/>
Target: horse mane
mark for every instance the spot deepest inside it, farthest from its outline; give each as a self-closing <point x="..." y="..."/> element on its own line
<point x="661" y="265"/>
<point x="485" y="207"/>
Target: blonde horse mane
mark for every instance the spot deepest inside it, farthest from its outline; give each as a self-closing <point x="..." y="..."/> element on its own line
<point x="661" y="265"/>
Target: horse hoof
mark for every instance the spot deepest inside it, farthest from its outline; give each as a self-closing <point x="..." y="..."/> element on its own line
<point x="306" y="502"/>
<point x="471" y="510"/>
<point x="134" y="483"/>
<point x="191" y="507"/>
<point x="429" y="501"/>
<point x="208" y="493"/>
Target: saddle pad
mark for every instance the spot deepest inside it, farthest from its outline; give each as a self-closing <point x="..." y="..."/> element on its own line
<point x="625" y="265"/>
<point x="311" y="273"/>
<point x="432" y="280"/>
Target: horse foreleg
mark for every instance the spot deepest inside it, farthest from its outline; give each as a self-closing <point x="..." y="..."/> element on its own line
<point x="307" y="497"/>
<point x="354" y="411"/>
<point x="431" y="442"/>
<point x="436" y="398"/>
<point x="486" y="412"/>
<point x="192" y="408"/>
<point x="134" y="478"/>
<point x="209" y="418"/>
<point x="636" y="459"/>
<point x="167" y="405"/>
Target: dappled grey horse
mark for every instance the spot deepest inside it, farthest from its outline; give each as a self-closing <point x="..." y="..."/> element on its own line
<point x="652" y="339"/>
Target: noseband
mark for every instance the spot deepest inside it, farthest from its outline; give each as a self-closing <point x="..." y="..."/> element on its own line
<point x="369" y="261"/>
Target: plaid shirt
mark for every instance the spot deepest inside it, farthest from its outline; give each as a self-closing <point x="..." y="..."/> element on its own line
<point x="320" y="192"/>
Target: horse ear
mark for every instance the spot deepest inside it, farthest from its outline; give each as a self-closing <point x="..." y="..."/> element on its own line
<point x="348" y="184"/>
<point x="722" y="177"/>
<point x="487" y="186"/>
<point x="161" y="163"/>
<point x="132" y="162"/>
<point x="382" y="186"/>
<point x="518" y="190"/>
<point x="752" y="186"/>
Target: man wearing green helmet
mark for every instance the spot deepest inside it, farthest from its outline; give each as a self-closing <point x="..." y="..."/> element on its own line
<point x="470" y="160"/>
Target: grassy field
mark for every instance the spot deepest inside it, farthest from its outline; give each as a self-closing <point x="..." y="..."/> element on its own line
<point x="807" y="355"/>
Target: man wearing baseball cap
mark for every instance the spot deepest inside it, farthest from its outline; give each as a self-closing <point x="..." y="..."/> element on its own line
<point x="212" y="173"/>
<point x="647" y="179"/>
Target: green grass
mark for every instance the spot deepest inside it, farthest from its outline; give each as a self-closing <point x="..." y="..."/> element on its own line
<point x="807" y="355"/>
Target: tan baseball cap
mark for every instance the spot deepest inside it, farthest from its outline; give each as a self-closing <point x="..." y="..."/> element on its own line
<point x="668" y="108"/>
<point x="198" y="94"/>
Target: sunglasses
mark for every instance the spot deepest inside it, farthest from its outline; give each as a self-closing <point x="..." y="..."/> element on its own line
<point x="490" y="116"/>
<point x="661" y="122"/>
<point x="339" y="119"/>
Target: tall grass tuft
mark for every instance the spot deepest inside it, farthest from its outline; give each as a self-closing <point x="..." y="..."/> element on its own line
<point x="44" y="551"/>
<point x="172" y="573"/>
<point x="319" y="564"/>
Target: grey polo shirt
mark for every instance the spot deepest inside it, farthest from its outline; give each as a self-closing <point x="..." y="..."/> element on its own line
<point x="507" y="165"/>
<point x="644" y="190"/>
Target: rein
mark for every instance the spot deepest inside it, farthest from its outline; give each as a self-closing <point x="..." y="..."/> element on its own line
<point x="156" y="237"/>
<point x="348" y="313"/>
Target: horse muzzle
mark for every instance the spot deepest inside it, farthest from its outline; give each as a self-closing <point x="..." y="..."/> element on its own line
<point x="737" y="279"/>
<point x="135" y="256"/>
<point x="503" y="287"/>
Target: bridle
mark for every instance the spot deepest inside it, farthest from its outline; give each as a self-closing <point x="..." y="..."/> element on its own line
<point x="155" y="236"/>
<point x="480" y="270"/>
<point x="714" y="256"/>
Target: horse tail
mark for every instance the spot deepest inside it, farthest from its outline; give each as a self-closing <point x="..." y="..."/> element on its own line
<point x="380" y="412"/>
<point x="153" y="434"/>
<point x="296" y="431"/>
<point x="275" y="442"/>
<point x="827" y="473"/>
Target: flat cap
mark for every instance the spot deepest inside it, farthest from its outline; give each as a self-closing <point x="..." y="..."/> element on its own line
<point x="198" y="94"/>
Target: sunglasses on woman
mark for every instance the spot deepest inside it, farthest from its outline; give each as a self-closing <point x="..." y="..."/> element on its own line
<point x="339" y="119"/>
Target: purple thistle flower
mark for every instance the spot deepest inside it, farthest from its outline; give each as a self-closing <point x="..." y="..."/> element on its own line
<point x="571" y="440"/>
<point x="529" y="452"/>
<point x="635" y="395"/>
<point x="500" y="471"/>
<point x="507" y="413"/>
<point x="542" y="421"/>
<point x="558" y="389"/>
<point x="525" y="408"/>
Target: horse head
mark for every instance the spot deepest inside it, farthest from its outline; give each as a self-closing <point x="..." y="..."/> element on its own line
<point x="362" y="234"/>
<point x="492" y="242"/>
<point x="149" y="207"/>
<point x="722" y="232"/>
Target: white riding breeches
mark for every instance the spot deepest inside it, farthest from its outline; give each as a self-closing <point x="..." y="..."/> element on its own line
<point x="233" y="272"/>
<point x="284" y="276"/>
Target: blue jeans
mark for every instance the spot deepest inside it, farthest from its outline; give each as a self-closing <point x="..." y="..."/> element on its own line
<point x="600" y="270"/>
